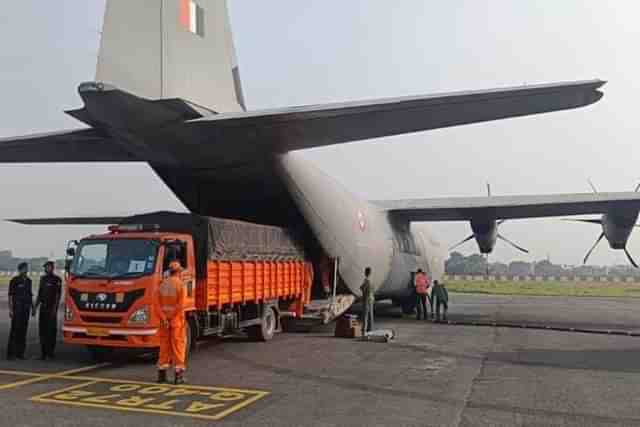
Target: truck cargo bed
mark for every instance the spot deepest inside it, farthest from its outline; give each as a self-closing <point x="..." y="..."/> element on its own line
<point x="238" y="282"/>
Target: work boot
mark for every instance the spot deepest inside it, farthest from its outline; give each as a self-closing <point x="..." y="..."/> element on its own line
<point x="162" y="376"/>
<point x="179" y="379"/>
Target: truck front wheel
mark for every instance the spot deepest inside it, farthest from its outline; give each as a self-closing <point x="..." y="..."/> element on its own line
<point x="267" y="327"/>
<point x="189" y="339"/>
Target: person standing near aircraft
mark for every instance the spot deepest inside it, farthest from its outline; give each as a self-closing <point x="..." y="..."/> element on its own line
<point x="169" y="304"/>
<point x="20" y="306"/>
<point x="441" y="296"/>
<point x="421" y="283"/>
<point x="48" y="300"/>
<point x="368" y="300"/>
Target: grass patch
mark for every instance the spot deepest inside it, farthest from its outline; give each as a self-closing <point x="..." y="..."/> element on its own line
<point x="4" y="280"/>
<point x="565" y="289"/>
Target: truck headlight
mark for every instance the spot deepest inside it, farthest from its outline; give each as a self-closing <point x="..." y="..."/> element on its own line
<point x="140" y="316"/>
<point x="68" y="313"/>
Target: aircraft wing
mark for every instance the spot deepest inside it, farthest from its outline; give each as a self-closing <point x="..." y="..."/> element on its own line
<point x="320" y="125"/>
<point x="82" y="145"/>
<point x="508" y="207"/>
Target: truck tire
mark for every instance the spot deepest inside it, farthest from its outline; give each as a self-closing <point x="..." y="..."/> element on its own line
<point x="191" y="338"/>
<point x="98" y="353"/>
<point x="267" y="327"/>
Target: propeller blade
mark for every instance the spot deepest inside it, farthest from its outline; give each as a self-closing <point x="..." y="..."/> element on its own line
<point x="593" y="187"/>
<point x="630" y="258"/>
<point x="520" y="248"/>
<point x="461" y="242"/>
<point x="590" y="221"/>
<point x="488" y="189"/>
<point x="593" y="247"/>
<point x="637" y="188"/>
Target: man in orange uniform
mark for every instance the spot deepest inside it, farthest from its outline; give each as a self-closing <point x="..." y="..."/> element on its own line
<point x="169" y="302"/>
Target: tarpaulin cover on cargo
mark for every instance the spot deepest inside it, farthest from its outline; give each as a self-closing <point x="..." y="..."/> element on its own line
<point x="225" y="239"/>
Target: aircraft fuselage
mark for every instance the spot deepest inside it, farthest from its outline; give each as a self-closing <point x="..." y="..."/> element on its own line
<point x="358" y="233"/>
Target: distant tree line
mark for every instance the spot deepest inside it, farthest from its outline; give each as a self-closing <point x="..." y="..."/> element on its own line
<point x="10" y="263"/>
<point x="476" y="264"/>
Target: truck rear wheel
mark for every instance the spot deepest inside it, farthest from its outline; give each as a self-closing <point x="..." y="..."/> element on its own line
<point x="267" y="327"/>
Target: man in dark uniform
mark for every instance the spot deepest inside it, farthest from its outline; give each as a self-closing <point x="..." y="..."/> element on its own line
<point x="368" y="299"/>
<point x="442" y="299"/>
<point x="48" y="300"/>
<point x="20" y="307"/>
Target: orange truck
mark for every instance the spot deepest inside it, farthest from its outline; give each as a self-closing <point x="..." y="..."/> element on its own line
<point x="238" y="277"/>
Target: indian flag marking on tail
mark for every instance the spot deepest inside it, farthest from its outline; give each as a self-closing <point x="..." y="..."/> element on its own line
<point x="192" y="17"/>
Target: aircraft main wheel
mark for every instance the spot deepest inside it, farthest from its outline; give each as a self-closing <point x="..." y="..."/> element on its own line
<point x="267" y="327"/>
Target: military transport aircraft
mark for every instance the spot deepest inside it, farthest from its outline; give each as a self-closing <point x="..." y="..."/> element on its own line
<point x="168" y="92"/>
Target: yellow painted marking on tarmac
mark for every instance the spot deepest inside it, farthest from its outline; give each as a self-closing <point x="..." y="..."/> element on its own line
<point x="130" y="384"/>
<point x="21" y="373"/>
<point x="241" y="405"/>
<point x="64" y="390"/>
<point x="165" y="406"/>
<point x="151" y="398"/>
<point x="45" y="377"/>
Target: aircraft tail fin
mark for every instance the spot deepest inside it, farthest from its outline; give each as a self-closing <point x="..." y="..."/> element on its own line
<point x="160" y="49"/>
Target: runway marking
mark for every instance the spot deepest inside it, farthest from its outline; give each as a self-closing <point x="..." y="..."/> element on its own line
<point x="210" y="403"/>
<point x="45" y="377"/>
<point x="21" y="373"/>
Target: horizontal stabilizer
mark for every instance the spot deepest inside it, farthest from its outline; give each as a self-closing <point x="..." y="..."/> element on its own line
<point x="97" y="220"/>
<point x="83" y="145"/>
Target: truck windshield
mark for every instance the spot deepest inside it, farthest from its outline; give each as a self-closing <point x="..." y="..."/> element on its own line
<point x="112" y="259"/>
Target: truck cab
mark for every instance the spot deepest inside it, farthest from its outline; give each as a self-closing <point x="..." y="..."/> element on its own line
<point x="111" y="282"/>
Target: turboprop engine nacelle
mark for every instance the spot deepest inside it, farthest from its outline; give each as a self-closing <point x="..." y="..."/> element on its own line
<point x="617" y="227"/>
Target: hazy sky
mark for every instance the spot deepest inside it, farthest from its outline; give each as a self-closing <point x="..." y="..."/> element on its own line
<point x="293" y="52"/>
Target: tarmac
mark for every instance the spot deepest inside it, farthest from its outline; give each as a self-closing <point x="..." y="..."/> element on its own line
<point x="431" y="374"/>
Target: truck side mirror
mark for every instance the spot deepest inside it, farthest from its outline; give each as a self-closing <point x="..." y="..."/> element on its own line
<point x="71" y="252"/>
<point x="67" y="265"/>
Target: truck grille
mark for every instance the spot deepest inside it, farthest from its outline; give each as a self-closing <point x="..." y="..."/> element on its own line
<point x="104" y="302"/>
